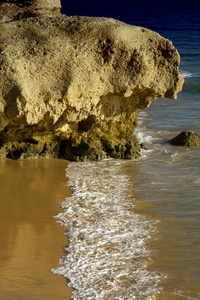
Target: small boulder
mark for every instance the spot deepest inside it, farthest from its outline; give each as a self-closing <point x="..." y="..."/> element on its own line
<point x="186" y="138"/>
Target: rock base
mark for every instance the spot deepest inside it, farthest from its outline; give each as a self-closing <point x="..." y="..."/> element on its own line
<point x="16" y="145"/>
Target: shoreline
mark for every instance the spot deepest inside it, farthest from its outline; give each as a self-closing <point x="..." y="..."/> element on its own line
<point x="32" y="242"/>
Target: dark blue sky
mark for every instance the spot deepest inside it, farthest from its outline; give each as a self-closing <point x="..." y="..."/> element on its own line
<point x="111" y="7"/>
<point x="153" y="14"/>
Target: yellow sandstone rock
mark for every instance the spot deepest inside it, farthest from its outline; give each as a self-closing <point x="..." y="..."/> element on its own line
<point x="72" y="87"/>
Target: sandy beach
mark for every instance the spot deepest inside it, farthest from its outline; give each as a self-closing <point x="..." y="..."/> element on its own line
<point x="31" y="241"/>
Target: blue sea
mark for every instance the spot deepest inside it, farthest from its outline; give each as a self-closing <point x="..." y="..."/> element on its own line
<point x="134" y="226"/>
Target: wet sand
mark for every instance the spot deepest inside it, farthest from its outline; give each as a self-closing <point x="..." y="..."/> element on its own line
<point x="31" y="241"/>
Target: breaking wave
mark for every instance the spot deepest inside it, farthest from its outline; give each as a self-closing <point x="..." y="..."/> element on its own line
<point x="186" y="74"/>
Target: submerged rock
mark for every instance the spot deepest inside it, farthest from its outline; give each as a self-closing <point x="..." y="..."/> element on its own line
<point x="186" y="138"/>
<point x="71" y="87"/>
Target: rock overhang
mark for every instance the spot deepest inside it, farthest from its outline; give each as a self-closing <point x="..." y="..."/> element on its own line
<point x="75" y="85"/>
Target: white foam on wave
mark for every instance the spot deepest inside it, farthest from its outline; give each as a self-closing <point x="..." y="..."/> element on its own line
<point x="186" y="74"/>
<point x="143" y="134"/>
<point x="144" y="137"/>
<point x="107" y="253"/>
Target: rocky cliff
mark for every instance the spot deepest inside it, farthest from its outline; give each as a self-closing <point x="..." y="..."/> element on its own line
<point x="71" y="87"/>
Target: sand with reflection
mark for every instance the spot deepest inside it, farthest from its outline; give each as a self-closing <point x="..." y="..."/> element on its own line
<point x="31" y="240"/>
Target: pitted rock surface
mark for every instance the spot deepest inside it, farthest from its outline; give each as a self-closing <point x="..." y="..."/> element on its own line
<point x="72" y="87"/>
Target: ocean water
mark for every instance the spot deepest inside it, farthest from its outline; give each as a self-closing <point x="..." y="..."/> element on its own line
<point x="134" y="226"/>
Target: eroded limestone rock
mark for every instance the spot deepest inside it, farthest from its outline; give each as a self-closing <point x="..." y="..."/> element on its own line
<point x="72" y="87"/>
<point x="18" y="9"/>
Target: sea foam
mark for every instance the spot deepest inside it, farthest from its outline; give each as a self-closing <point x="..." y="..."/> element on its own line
<point x="107" y="253"/>
<point x="186" y="74"/>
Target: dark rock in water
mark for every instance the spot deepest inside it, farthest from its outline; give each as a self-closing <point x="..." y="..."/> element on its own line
<point x="186" y="138"/>
<point x="143" y="146"/>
